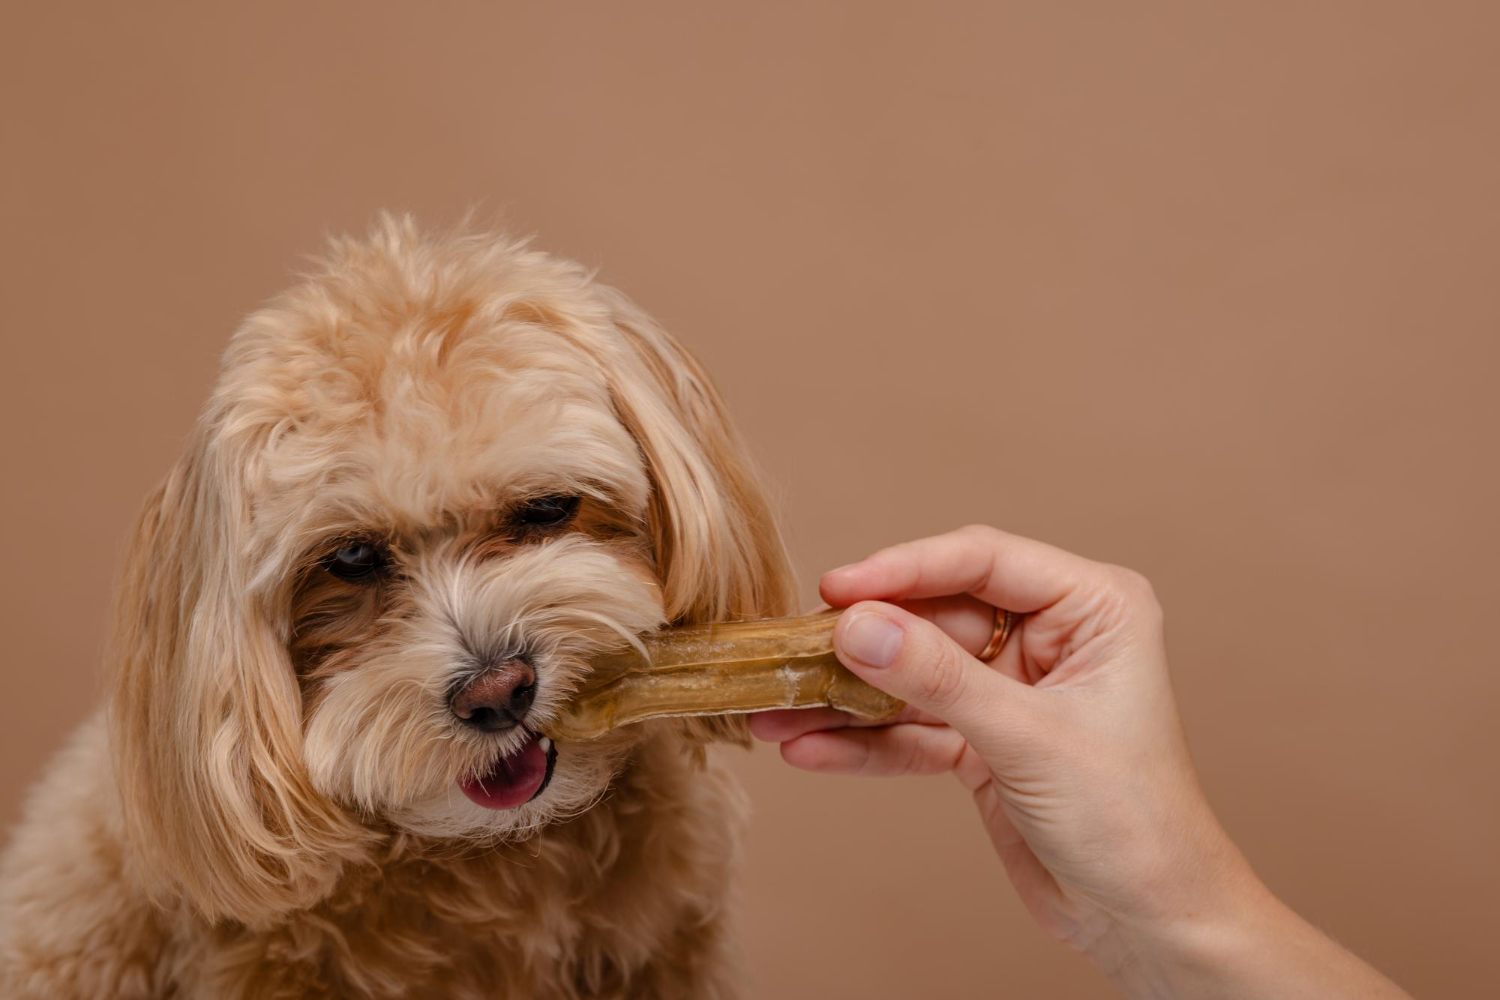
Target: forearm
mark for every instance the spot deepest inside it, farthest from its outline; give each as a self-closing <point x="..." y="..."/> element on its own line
<point x="1253" y="947"/>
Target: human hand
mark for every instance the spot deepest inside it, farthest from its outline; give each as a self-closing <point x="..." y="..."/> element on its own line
<point x="1069" y="741"/>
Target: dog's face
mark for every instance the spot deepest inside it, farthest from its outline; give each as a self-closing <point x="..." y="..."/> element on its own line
<point x="486" y="530"/>
<point x="431" y="483"/>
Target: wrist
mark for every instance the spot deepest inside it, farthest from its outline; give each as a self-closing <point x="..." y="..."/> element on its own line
<point x="1182" y="955"/>
<point x="1192" y="928"/>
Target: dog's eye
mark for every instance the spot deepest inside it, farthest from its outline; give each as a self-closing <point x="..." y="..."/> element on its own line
<point x="546" y="512"/>
<point x="354" y="561"/>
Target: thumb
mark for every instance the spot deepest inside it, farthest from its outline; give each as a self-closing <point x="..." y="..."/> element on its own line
<point x="911" y="658"/>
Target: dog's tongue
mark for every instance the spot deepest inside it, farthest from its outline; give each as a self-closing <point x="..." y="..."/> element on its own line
<point x="514" y="781"/>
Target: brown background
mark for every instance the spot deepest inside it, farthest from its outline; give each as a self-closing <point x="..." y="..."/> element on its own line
<point x="1206" y="289"/>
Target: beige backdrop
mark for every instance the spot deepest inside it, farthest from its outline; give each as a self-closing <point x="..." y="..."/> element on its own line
<point x="1206" y="289"/>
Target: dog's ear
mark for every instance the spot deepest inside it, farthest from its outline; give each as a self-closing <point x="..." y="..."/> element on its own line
<point x="205" y="712"/>
<point x="718" y="547"/>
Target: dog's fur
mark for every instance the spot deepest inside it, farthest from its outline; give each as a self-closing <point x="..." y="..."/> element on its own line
<point x="269" y="805"/>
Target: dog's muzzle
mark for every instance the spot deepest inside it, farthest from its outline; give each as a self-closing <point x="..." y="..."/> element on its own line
<point x="496" y="701"/>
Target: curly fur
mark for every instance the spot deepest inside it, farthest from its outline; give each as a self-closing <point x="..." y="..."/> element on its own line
<point x="269" y="804"/>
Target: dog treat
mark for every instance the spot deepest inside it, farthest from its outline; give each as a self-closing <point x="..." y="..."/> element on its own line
<point x="721" y="669"/>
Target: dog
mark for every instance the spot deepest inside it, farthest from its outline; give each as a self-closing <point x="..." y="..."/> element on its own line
<point x="431" y="481"/>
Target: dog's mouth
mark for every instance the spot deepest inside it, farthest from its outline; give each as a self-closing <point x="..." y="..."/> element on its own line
<point x="519" y="777"/>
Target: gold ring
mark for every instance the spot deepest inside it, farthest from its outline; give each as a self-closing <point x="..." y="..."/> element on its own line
<point x="1004" y="622"/>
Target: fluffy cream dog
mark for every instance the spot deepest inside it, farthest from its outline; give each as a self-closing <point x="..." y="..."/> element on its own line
<point x="431" y="481"/>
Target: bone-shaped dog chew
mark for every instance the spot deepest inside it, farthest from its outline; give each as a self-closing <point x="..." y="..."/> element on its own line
<point x="720" y="669"/>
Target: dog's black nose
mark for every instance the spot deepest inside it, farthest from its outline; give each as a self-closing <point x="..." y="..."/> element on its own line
<point x="497" y="699"/>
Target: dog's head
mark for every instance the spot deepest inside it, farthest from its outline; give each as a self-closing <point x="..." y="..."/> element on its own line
<point x="431" y="482"/>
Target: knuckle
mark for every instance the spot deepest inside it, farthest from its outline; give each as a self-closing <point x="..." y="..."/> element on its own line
<point x="1135" y="591"/>
<point x="955" y="756"/>
<point x="911" y="758"/>
<point x="977" y="531"/>
<point x="941" y="683"/>
<point x="1132" y="583"/>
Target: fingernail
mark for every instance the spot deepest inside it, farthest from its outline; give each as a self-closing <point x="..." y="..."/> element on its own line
<point x="872" y="639"/>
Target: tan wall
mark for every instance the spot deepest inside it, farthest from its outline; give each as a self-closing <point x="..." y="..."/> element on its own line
<point x="1206" y="289"/>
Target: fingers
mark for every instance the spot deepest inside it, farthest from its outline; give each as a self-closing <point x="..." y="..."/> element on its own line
<point x="914" y="660"/>
<point x="955" y="626"/>
<point x="789" y="723"/>
<point x="968" y="620"/>
<point x="1003" y="570"/>
<point x="779" y="725"/>
<point x="887" y="750"/>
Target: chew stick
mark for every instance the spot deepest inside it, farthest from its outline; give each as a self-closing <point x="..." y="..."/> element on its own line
<point x="720" y="669"/>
